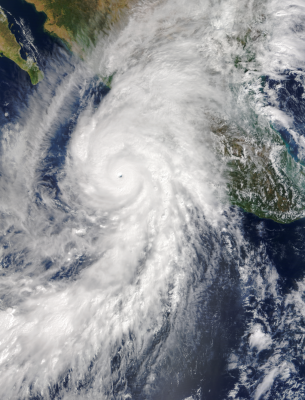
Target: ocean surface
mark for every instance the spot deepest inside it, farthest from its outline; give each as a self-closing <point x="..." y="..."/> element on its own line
<point x="125" y="272"/>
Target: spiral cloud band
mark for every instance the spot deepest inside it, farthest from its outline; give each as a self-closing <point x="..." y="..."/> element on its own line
<point x="120" y="250"/>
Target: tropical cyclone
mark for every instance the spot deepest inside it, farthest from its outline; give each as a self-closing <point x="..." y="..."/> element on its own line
<point x="10" y="48"/>
<point x="262" y="175"/>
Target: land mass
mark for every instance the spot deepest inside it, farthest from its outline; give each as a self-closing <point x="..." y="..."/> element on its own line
<point x="79" y="22"/>
<point x="263" y="178"/>
<point x="10" y="48"/>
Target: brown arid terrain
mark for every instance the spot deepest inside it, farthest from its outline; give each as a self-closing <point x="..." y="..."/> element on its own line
<point x="10" y="48"/>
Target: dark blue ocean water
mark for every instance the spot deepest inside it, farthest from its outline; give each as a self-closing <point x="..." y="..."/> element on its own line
<point x="291" y="100"/>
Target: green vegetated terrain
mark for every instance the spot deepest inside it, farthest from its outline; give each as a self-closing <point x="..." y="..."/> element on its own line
<point x="10" y="48"/>
<point x="263" y="178"/>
